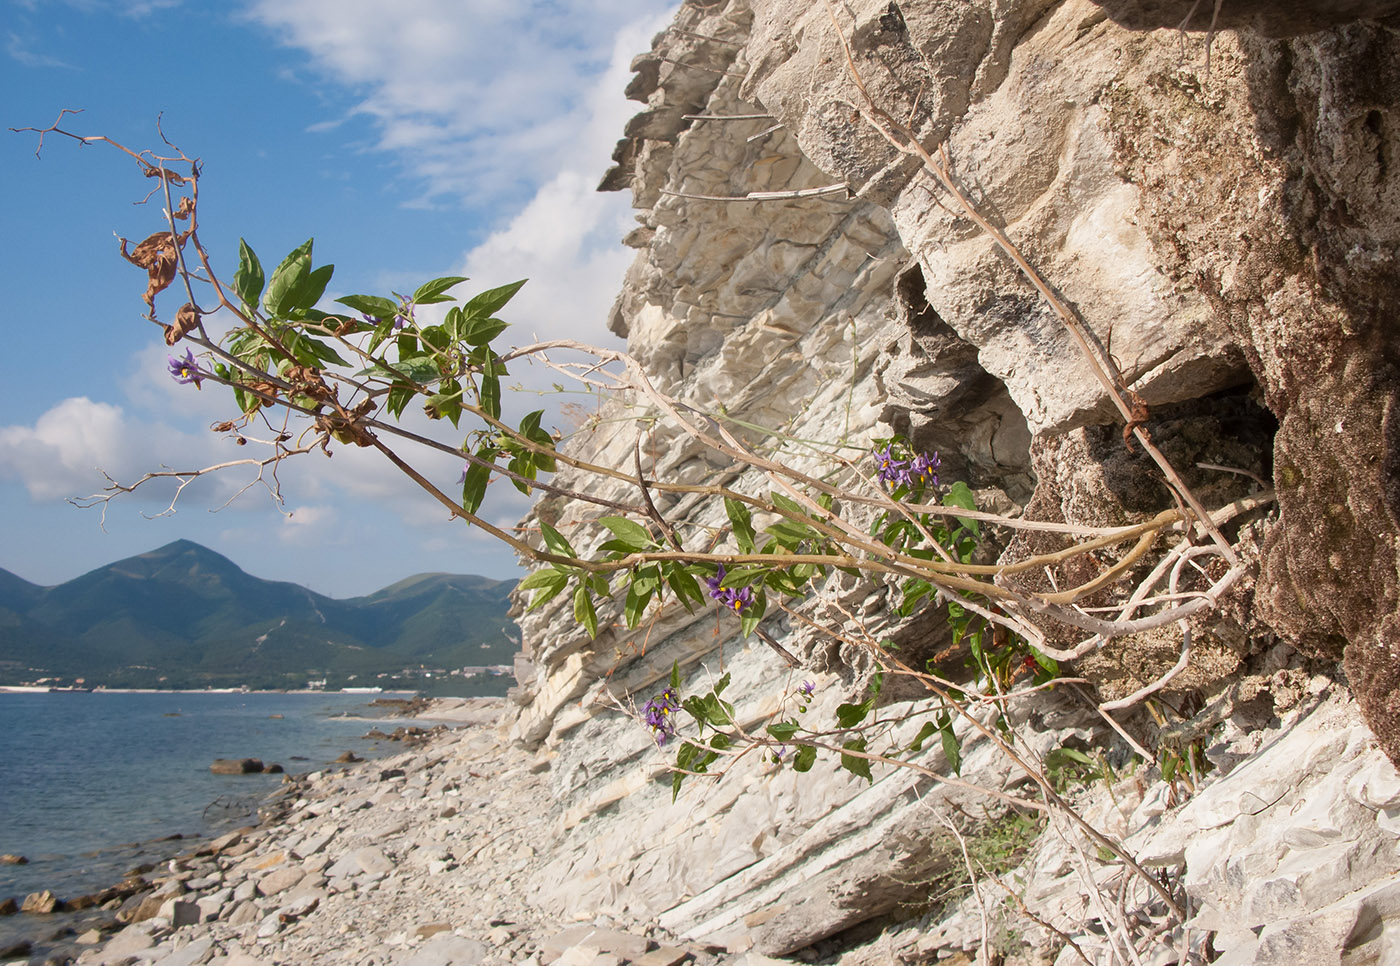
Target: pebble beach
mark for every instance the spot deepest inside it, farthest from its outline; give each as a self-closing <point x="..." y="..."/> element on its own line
<point x="416" y="859"/>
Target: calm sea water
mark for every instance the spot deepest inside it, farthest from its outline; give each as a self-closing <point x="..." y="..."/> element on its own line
<point x="89" y="780"/>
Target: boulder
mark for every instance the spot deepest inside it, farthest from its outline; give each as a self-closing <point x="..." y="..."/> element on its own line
<point x="240" y="766"/>
<point x="348" y="758"/>
<point x="41" y="903"/>
<point x="10" y="859"/>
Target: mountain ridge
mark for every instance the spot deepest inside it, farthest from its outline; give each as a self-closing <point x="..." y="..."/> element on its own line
<point x="183" y="611"/>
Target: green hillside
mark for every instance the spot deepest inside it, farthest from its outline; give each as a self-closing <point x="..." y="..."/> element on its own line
<point x="185" y="616"/>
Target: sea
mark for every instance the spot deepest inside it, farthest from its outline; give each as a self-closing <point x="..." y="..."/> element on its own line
<point x="95" y="783"/>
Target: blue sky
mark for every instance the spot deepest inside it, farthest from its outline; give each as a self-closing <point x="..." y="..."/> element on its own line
<point x="413" y="140"/>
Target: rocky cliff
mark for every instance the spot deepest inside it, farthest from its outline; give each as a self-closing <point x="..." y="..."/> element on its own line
<point x="1218" y="202"/>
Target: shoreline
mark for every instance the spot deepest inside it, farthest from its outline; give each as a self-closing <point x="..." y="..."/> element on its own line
<point x="25" y="689"/>
<point x="83" y="901"/>
<point x="424" y="857"/>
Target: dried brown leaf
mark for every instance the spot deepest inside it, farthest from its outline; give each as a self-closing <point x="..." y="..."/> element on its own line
<point x="186" y="321"/>
<point x="185" y="209"/>
<point x="157" y="255"/>
<point x="224" y="427"/>
<point x="153" y="172"/>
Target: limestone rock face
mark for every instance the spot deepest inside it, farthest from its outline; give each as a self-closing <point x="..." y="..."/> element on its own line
<point x="1230" y="240"/>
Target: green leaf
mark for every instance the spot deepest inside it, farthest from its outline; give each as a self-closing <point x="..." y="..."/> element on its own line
<point x="783" y="730"/>
<point x="804" y="758"/>
<point x="382" y="331"/>
<point x="675" y="675"/>
<point x="915" y="590"/>
<point x="791" y="506"/>
<point x="248" y="280"/>
<point x="474" y="484"/>
<point x="326" y="354"/>
<point x="555" y="541"/>
<point x="789" y="534"/>
<point x="850" y="715"/>
<point x="371" y="305"/>
<point x="584" y="612"/>
<point x="312" y="287"/>
<point x="742" y="523"/>
<point x="630" y="534"/>
<point x="491" y="386"/>
<point x="752" y="614"/>
<point x="857" y="766"/>
<point x="952" y="747"/>
<point x="490" y="302"/>
<point x="960" y="495"/>
<point x="635" y="605"/>
<point x="685" y="585"/>
<point x="430" y="292"/>
<point x="549" y="583"/>
<point x="480" y="332"/>
<point x="685" y="759"/>
<point x="720" y="742"/>
<point x="925" y="733"/>
<point x="280" y="296"/>
<point x="398" y="399"/>
<point x="723" y="683"/>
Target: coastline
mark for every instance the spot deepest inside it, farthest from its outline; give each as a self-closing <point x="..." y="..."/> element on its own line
<point x="31" y="689"/>
<point x="420" y="858"/>
<point x="83" y="855"/>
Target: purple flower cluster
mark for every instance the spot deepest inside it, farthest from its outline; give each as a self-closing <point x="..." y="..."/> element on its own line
<point x="807" y="689"/>
<point x="186" y="370"/>
<point x="735" y="600"/>
<point x="659" y="715"/>
<point x="892" y="471"/>
<point x="401" y="318"/>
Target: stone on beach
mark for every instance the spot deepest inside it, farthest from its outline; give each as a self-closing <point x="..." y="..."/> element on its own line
<point x="40" y="903"/>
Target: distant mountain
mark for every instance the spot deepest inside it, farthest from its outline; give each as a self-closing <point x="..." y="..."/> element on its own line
<point x="189" y="615"/>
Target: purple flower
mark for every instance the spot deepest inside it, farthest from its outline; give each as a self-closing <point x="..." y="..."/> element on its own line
<point x="922" y="470"/>
<point x="186" y="370"/>
<point x="890" y="470"/>
<point x="735" y="600"/>
<point x="463" y="478"/>
<point x="659" y="715"/>
<point x="894" y="472"/>
<point x="404" y="315"/>
<point x="807" y="689"/>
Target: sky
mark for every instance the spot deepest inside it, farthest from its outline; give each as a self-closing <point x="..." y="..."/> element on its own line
<point x="413" y="140"/>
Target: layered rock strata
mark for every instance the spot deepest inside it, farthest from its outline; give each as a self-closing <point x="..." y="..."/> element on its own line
<point x="1227" y="238"/>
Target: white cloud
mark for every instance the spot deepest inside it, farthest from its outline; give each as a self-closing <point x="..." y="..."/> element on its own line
<point x="567" y="239"/>
<point x="21" y="52"/>
<point x="66" y="450"/>
<point x="480" y="99"/>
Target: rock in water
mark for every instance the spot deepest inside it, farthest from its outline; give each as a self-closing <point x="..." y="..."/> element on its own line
<point x="40" y="903"/>
<point x="241" y="766"/>
<point x="10" y="859"/>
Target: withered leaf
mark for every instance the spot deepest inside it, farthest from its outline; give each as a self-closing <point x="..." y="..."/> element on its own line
<point x="186" y="321"/>
<point x="224" y="427"/>
<point x="339" y="428"/>
<point x="154" y="172"/>
<point x="157" y="255"/>
<point x="185" y="209"/>
<point x="309" y="383"/>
